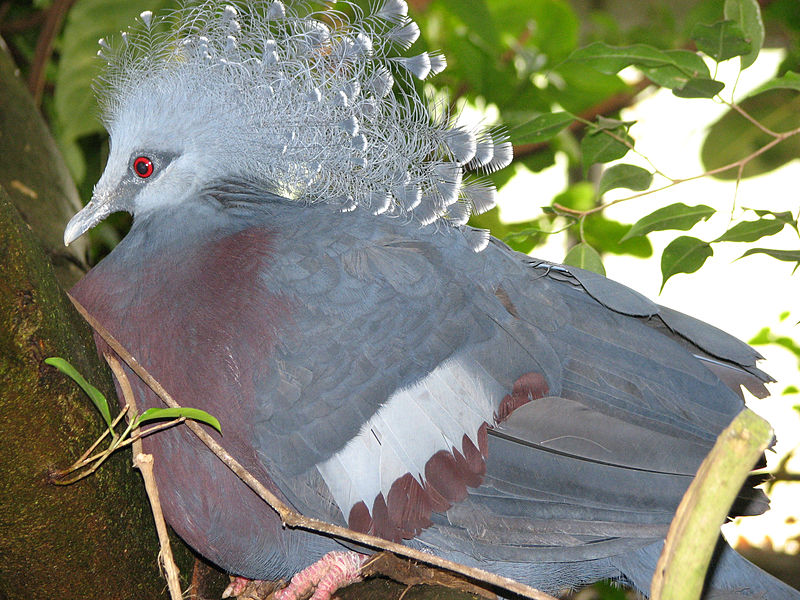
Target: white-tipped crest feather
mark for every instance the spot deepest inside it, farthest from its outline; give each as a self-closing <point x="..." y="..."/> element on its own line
<point x="276" y="10"/>
<point x="419" y="66"/>
<point x="478" y="239"/>
<point x="479" y="195"/>
<point x="438" y="62"/>
<point x="393" y="10"/>
<point x="405" y="35"/>
<point x="312" y="103"/>
<point x="458" y="214"/>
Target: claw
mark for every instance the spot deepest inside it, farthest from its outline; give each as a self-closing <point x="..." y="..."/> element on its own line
<point x="333" y="571"/>
<point x="235" y="587"/>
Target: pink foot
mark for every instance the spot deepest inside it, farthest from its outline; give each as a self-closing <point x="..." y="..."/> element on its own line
<point x="333" y="571"/>
<point x="235" y="587"/>
<point x="251" y="589"/>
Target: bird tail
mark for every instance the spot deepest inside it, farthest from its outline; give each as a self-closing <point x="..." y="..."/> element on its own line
<point x="730" y="576"/>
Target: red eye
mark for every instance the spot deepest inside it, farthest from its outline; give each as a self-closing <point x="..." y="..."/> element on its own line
<point x="143" y="167"/>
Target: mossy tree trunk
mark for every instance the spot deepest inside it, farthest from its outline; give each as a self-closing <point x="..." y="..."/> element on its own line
<point x="94" y="538"/>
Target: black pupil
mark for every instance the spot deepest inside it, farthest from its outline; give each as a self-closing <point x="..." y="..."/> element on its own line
<point x="142" y="166"/>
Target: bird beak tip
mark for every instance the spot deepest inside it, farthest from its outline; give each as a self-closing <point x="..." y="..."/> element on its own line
<point x="84" y="220"/>
<point x="73" y="229"/>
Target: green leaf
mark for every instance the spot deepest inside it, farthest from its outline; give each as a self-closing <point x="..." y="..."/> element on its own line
<point x="680" y="70"/>
<point x="700" y="87"/>
<point x="609" y="124"/>
<point x="788" y="81"/>
<point x="762" y="337"/>
<point x="584" y="256"/>
<point x="685" y="254"/>
<point x="767" y="336"/>
<point x="95" y="395"/>
<point x="472" y="65"/>
<point x="783" y="216"/>
<point x="536" y="163"/>
<point x="541" y="128"/>
<point x="721" y="41"/>
<point x="733" y="137"/>
<point x="153" y="414"/>
<point x="684" y="66"/>
<point x="476" y="16"/>
<point x="675" y="216"/>
<point x="548" y="27"/>
<point x="605" y="235"/>
<point x="583" y="85"/>
<point x="599" y="147"/>
<point x="578" y="196"/>
<point x="785" y="255"/>
<point x="750" y="231"/>
<point x="505" y="231"/>
<point x="625" y="176"/>
<point x="747" y="14"/>
<point x="612" y="59"/>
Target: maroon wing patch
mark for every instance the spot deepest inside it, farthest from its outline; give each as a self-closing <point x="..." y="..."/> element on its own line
<point x="407" y="509"/>
<point x="529" y="386"/>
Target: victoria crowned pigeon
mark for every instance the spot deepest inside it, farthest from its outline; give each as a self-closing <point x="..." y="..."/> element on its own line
<point x="300" y="266"/>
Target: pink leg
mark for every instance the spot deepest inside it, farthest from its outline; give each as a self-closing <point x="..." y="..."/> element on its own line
<point x="333" y="571"/>
<point x="235" y="587"/>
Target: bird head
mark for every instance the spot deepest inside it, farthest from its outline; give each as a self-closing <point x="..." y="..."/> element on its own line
<point x="161" y="154"/>
<point x="305" y="104"/>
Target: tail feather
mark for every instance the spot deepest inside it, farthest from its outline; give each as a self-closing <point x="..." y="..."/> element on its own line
<point x="730" y="576"/>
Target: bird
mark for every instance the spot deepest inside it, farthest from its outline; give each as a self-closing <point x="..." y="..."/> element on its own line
<point x="300" y="265"/>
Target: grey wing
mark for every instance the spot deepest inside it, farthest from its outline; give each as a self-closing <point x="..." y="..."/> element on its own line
<point x="417" y="402"/>
<point x="598" y="468"/>
<point x="374" y="383"/>
<point x="364" y="329"/>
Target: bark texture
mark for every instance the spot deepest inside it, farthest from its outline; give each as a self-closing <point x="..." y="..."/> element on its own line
<point x="94" y="538"/>
<point x="34" y="176"/>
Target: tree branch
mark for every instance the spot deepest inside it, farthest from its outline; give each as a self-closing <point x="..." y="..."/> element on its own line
<point x="739" y="164"/>
<point x="144" y="462"/>
<point x="44" y="47"/>
<point x="610" y="105"/>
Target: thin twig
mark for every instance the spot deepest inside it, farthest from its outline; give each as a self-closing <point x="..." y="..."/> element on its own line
<point x="144" y="462"/>
<point x="85" y="458"/>
<point x="753" y="120"/>
<point x="734" y="165"/>
<point x="58" y="477"/>
<point x="289" y="517"/>
<point x="610" y="105"/>
<point x="22" y="24"/>
<point x="142" y="433"/>
<point x="521" y="40"/>
<point x="118" y="441"/>
<point x="44" y="47"/>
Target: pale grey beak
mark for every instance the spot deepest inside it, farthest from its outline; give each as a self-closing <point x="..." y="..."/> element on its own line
<point x="89" y="216"/>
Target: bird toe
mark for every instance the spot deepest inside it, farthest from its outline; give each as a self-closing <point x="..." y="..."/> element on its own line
<point x="333" y="571"/>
